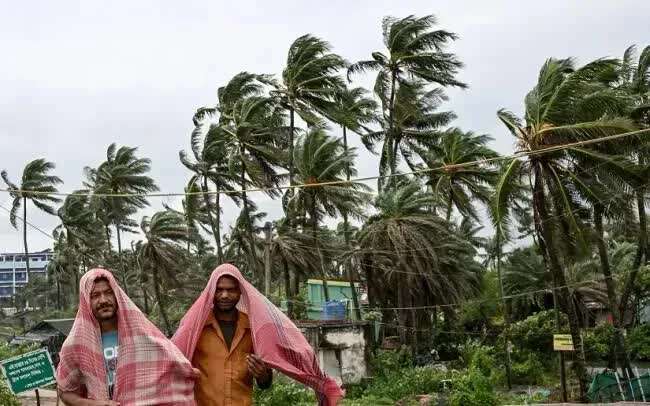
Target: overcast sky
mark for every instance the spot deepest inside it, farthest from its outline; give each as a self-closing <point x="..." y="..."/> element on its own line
<point x="77" y="76"/>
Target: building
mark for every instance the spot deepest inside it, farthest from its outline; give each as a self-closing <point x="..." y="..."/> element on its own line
<point x="13" y="270"/>
<point x="49" y="334"/>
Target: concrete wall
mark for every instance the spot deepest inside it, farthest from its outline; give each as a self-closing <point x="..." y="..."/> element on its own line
<point x="341" y="349"/>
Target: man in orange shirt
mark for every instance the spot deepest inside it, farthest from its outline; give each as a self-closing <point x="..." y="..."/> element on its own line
<point x="224" y="353"/>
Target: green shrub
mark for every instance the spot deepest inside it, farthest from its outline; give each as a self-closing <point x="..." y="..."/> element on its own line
<point x="535" y="333"/>
<point x="529" y="371"/>
<point x="639" y="342"/>
<point x="284" y="392"/>
<point x="484" y="359"/>
<point x="388" y="361"/>
<point x="598" y="341"/>
<point x="472" y="388"/>
<point x="405" y="382"/>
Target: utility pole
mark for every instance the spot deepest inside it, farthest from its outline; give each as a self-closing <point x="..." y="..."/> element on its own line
<point x="267" y="258"/>
<point x="506" y="315"/>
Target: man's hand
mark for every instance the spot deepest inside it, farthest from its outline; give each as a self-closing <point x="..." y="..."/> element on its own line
<point x="258" y="368"/>
<point x="73" y="399"/>
<point x="196" y="374"/>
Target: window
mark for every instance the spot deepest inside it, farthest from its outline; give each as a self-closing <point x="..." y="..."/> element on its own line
<point x="6" y="291"/>
<point x="6" y="277"/>
<point x="21" y="277"/>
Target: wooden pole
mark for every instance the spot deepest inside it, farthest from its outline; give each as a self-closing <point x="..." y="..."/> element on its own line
<point x="267" y="259"/>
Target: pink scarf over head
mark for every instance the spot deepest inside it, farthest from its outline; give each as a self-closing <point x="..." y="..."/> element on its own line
<point x="275" y="338"/>
<point x="150" y="369"/>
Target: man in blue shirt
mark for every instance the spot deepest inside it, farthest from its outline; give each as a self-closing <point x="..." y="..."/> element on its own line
<point x="104" y="307"/>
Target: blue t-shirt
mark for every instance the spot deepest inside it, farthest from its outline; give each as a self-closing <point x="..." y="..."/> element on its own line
<point x="110" y="347"/>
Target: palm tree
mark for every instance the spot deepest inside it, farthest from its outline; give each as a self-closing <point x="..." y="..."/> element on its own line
<point x="243" y="244"/>
<point x="253" y="134"/>
<point x="161" y="253"/>
<point x="414" y="51"/>
<point x="194" y="212"/>
<point x="457" y="185"/>
<point x="406" y="247"/>
<point x="292" y="251"/>
<point x="320" y="158"/>
<point x="309" y="83"/>
<point x="352" y="110"/>
<point x="634" y="81"/>
<point x="566" y="105"/>
<point x="37" y="186"/>
<point x="123" y="173"/>
<point x="209" y="164"/>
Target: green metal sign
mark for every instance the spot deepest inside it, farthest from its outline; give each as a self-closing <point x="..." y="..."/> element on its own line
<point x="28" y="371"/>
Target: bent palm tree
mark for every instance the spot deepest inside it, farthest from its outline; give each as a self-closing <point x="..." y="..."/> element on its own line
<point x="417" y="253"/>
<point x="352" y="110"/>
<point x="460" y="186"/>
<point x="567" y="105"/>
<point x="321" y="158"/>
<point x="414" y="52"/>
<point x="123" y="173"/>
<point x="161" y="253"/>
<point x="37" y="186"/>
<point x="309" y="82"/>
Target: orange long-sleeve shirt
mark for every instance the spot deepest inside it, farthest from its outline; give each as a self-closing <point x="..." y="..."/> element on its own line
<point x="225" y="379"/>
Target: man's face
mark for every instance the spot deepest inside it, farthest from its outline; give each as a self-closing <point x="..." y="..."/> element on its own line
<point x="227" y="294"/>
<point x="102" y="301"/>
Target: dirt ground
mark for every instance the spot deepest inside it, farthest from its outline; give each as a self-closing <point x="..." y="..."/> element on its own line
<point x="48" y="398"/>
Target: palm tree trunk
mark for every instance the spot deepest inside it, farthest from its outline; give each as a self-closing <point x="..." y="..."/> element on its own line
<point x="58" y="294"/>
<point x="391" y="108"/>
<point x="291" y="140"/>
<point x="161" y="305"/>
<point x="450" y="207"/>
<point x="287" y="287"/>
<point x="346" y="231"/>
<point x="249" y="226"/>
<point x="506" y="315"/>
<point x="215" y="231"/>
<point x="551" y="258"/>
<point x="620" y="353"/>
<point x="25" y="238"/>
<point x="217" y="213"/>
<point x="639" y="259"/>
<point x="108" y="237"/>
<point x="314" y="229"/>
<point x="119" y="254"/>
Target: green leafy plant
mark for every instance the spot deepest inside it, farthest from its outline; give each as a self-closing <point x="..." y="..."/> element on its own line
<point x="597" y="342"/>
<point x="284" y="392"/>
<point x="472" y="388"/>
<point x="639" y="342"/>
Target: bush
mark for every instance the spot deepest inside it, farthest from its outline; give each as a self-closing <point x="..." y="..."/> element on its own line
<point x="598" y="341"/>
<point x="639" y="342"/>
<point x="284" y="392"/>
<point x="529" y="371"/>
<point x="389" y="361"/>
<point x="472" y="389"/>
<point x="482" y="358"/>
<point x="535" y="333"/>
<point x="399" y="384"/>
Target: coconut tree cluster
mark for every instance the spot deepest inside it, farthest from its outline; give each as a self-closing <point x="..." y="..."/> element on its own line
<point x="564" y="219"/>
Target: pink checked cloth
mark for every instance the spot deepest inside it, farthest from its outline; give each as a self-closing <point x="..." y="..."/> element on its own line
<point x="150" y="369"/>
<point x="275" y="338"/>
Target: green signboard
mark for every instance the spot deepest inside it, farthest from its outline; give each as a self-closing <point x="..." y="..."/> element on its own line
<point x="28" y="371"/>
